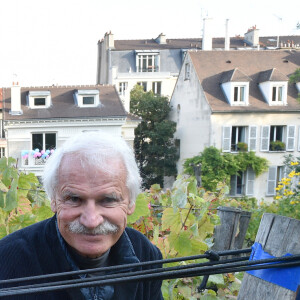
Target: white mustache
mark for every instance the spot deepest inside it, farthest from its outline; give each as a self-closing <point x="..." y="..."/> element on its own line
<point x="103" y="229"/>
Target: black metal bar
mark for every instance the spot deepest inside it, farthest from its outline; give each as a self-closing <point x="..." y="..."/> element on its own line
<point x="231" y="267"/>
<point x="119" y="267"/>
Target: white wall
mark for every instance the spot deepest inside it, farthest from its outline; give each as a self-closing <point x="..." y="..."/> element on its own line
<point x="193" y="120"/>
<point x="19" y="134"/>
<point x="197" y="128"/>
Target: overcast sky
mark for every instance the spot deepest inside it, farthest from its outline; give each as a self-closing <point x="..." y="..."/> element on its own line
<point x="45" y="42"/>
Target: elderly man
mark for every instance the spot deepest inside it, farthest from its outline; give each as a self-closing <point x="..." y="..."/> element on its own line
<point x="92" y="181"/>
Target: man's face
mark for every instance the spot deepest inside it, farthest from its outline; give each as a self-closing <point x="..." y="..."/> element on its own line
<point x="87" y="198"/>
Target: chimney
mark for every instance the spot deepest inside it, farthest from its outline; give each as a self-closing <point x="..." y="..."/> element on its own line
<point x="15" y="100"/>
<point x="207" y="34"/>
<point x="227" y="38"/>
<point x="251" y="37"/>
<point x="109" y="40"/>
<point x="161" y="39"/>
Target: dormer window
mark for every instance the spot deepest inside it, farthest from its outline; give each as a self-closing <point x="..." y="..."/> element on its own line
<point x="147" y="61"/>
<point x="39" y="99"/>
<point x="235" y="85"/>
<point x="273" y="85"/>
<point x="87" y="98"/>
<point x="277" y="93"/>
<point x="239" y="94"/>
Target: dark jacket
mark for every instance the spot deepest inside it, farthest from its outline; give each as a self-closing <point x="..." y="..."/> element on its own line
<point x="36" y="250"/>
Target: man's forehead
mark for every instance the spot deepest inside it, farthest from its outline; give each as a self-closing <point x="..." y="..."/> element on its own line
<point x="76" y="162"/>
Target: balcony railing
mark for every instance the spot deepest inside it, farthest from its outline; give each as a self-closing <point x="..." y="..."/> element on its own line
<point x="32" y="158"/>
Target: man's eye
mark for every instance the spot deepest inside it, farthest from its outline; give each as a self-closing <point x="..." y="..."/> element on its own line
<point x="73" y="200"/>
<point x="109" y="202"/>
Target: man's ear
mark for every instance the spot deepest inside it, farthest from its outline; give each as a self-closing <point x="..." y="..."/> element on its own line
<point x="130" y="209"/>
<point x="53" y="205"/>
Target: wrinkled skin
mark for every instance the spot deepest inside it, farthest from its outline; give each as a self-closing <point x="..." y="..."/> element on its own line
<point x="91" y="196"/>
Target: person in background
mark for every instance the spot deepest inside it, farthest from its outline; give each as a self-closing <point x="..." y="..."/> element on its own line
<point x="92" y="182"/>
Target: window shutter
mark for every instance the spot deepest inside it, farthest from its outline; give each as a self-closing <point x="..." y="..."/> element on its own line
<point x="252" y="138"/>
<point x="265" y="138"/>
<point x="226" y="138"/>
<point x="272" y="181"/>
<point x="233" y="182"/>
<point x="250" y="182"/>
<point x="290" y="139"/>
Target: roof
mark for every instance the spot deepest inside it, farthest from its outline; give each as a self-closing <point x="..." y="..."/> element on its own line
<point x="272" y="75"/>
<point x="236" y="42"/>
<point x="271" y="41"/>
<point x="63" y="105"/>
<point x="210" y="67"/>
<point x="235" y="75"/>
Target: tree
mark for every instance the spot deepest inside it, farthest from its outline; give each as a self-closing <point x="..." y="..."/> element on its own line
<point x="154" y="146"/>
<point x="218" y="167"/>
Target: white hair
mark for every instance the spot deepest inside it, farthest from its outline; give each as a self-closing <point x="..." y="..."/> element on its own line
<point x="94" y="149"/>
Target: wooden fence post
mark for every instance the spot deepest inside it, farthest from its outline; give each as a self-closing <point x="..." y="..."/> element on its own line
<point x="278" y="235"/>
<point x="230" y="234"/>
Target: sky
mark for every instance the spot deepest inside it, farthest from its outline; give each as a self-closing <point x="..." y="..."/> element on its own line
<point x="45" y="42"/>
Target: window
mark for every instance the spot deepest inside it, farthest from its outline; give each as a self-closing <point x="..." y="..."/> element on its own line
<point x="39" y="99"/>
<point x="87" y="98"/>
<point x="148" y="62"/>
<point x="237" y="184"/>
<point x="122" y="88"/>
<point x="2" y="152"/>
<point x="144" y="85"/>
<point x="43" y="141"/>
<point x="239" y="94"/>
<point x="275" y="174"/>
<point x="236" y="93"/>
<point x="238" y="135"/>
<point x="187" y="71"/>
<point x="239" y="138"/>
<point x="156" y="87"/>
<point x="242" y="183"/>
<point x="278" y="138"/>
<point x="277" y="93"/>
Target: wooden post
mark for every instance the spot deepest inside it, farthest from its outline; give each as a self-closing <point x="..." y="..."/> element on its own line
<point x="224" y="234"/>
<point x="278" y="235"/>
<point x="243" y="226"/>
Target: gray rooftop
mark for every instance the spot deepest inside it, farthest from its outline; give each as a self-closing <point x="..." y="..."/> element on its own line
<point x="212" y="65"/>
<point x="63" y="105"/>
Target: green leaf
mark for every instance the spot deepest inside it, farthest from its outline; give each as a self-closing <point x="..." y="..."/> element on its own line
<point x="179" y="198"/>
<point x="141" y="209"/>
<point x="42" y="213"/>
<point x="3" y="231"/>
<point x="3" y="187"/>
<point x="12" y="197"/>
<point x="181" y="243"/>
<point x="171" y="220"/>
<point x="198" y="246"/>
<point x="2" y="199"/>
<point x="216" y="279"/>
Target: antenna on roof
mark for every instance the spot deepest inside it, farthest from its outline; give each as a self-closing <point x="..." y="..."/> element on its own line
<point x="280" y="23"/>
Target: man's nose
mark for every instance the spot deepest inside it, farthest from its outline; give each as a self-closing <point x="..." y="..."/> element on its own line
<point x="91" y="215"/>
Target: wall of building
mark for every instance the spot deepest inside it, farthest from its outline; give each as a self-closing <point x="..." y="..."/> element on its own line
<point x="192" y="114"/>
<point x="259" y="120"/>
<point x="19" y="136"/>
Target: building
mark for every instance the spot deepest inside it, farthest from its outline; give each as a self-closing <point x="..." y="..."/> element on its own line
<point x="223" y="98"/>
<point x="37" y="120"/>
<point x="155" y="63"/>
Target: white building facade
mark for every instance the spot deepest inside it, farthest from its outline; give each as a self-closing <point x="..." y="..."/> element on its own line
<point x="266" y="119"/>
<point x="39" y="120"/>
